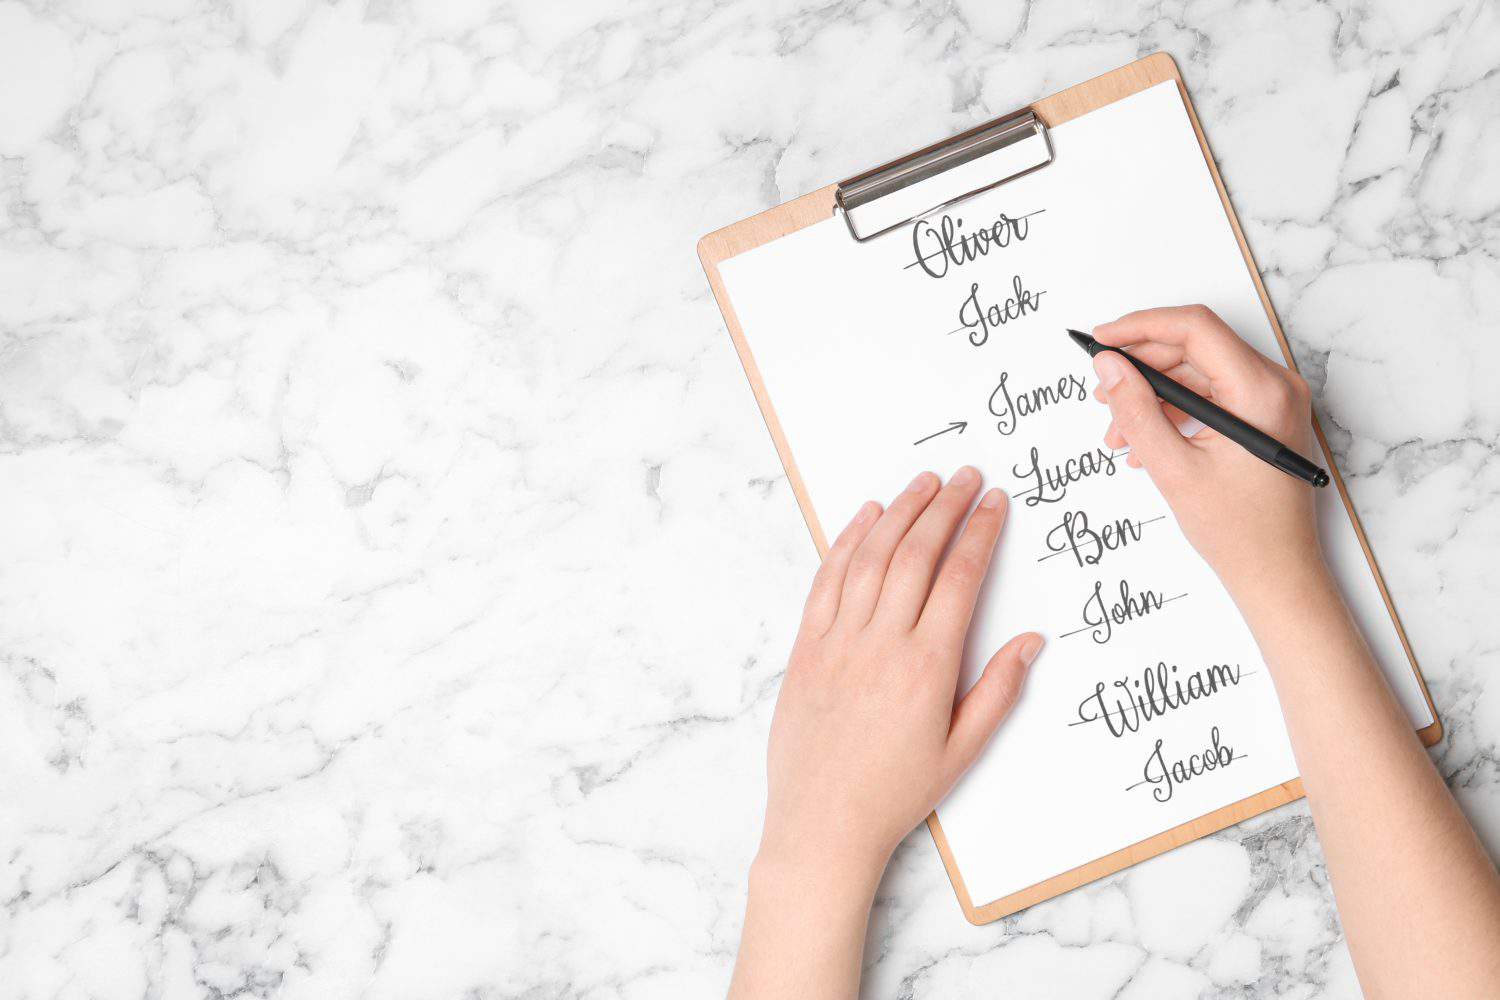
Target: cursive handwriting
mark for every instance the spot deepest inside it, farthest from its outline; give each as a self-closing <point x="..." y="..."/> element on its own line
<point x="1164" y="778"/>
<point x="1052" y="481"/>
<point x="1101" y="617"/>
<point x="1156" y="692"/>
<point x="980" y="319"/>
<point x="1088" y="544"/>
<point x="1010" y="409"/>
<point x="941" y="245"/>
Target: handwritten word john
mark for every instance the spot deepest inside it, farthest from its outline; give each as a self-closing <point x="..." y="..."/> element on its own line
<point x="1101" y="617"/>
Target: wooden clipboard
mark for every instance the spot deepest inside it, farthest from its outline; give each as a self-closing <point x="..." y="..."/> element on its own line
<point x="818" y="206"/>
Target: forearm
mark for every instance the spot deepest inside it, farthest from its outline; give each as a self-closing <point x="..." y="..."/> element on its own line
<point x="1418" y="896"/>
<point x="804" y="930"/>
<point x="863" y="745"/>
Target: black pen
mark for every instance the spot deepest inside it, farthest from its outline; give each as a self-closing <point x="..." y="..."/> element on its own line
<point x="1258" y="443"/>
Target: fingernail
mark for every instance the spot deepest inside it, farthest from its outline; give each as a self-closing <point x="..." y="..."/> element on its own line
<point x="1110" y="368"/>
<point x="865" y="511"/>
<point x="919" y="484"/>
<point x="1031" y="647"/>
<point x="992" y="498"/>
<point x="964" y="477"/>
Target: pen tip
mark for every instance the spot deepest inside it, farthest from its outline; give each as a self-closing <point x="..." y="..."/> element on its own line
<point x="1081" y="339"/>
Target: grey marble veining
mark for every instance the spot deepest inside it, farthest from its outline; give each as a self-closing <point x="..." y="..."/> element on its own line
<point x="397" y="574"/>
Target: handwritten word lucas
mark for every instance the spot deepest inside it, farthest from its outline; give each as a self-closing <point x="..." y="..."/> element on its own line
<point x="1052" y="479"/>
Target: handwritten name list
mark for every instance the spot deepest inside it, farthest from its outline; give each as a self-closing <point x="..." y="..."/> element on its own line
<point x="992" y="301"/>
<point x="942" y="343"/>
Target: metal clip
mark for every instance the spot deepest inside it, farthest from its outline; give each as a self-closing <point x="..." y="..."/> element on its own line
<point x="920" y="183"/>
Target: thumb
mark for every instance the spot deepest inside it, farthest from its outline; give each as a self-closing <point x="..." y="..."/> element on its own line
<point x="988" y="702"/>
<point x="1138" y="416"/>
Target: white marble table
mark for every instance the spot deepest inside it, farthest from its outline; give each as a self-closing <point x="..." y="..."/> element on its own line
<point x="397" y="574"/>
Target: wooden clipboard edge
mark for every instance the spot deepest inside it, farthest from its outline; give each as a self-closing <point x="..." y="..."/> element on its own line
<point x="731" y="241"/>
<point x="816" y="206"/>
<point x="1185" y="833"/>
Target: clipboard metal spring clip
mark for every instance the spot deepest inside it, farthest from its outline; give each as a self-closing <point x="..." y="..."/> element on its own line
<point x="922" y="182"/>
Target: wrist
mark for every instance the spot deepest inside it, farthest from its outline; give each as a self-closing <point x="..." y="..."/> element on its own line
<point x="846" y="876"/>
<point x="805" y="923"/>
<point x="1283" y="594"/>
<point x="1275" y="580"/>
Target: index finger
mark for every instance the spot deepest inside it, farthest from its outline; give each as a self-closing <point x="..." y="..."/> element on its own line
<point x="956" y="589"/>
<point x="1207" y="342"/>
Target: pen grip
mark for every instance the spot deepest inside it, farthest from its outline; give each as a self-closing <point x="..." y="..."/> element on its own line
<point x="1257" y="442"/>
<point x="1252" y="439"/>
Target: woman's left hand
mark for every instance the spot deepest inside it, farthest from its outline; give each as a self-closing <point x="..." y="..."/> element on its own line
<point x="866" y="739"/>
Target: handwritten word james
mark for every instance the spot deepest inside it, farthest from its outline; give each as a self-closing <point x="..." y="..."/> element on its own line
<point x="1010" y="409"/>
<point x="943" y="244"/>
<point x="1164" y="777"/>
<point x="1101" y="615"/>
<point x="1156" y="692"/>
<point x="1052" y="480"/>
<point x="981" y="319"/>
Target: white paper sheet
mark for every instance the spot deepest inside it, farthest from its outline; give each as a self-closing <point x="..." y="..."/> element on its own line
<point x="864" y="353"/>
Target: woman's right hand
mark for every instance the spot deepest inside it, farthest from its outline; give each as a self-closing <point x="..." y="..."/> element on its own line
<point x="1250" y="521"/>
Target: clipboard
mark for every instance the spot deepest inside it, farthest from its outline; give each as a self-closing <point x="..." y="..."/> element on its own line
<point x="928" y="180"/>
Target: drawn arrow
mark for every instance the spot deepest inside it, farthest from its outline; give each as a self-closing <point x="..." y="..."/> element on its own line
<point x="957" y="425"/>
